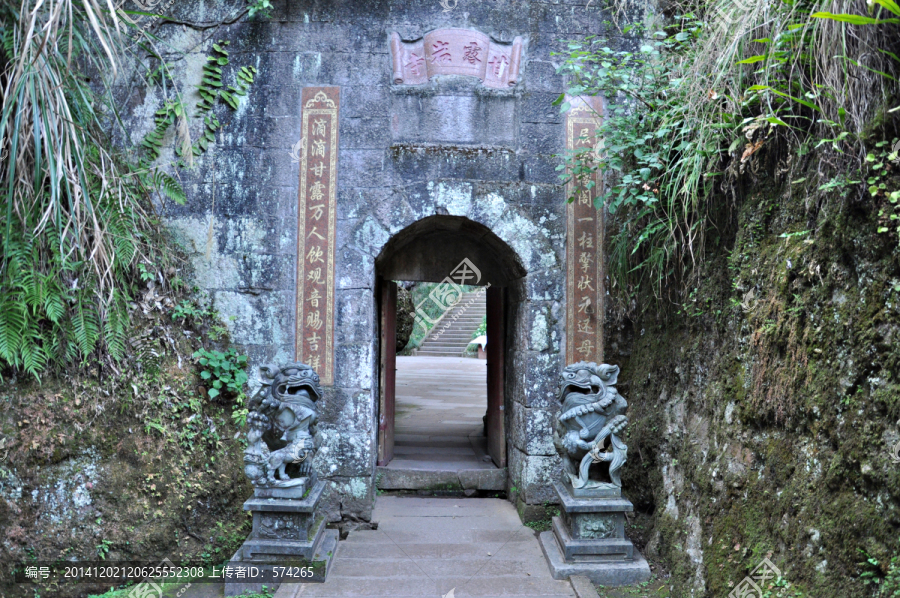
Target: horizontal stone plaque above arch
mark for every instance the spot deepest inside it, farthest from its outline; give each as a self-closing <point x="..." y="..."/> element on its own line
<point x="456" y="52"/>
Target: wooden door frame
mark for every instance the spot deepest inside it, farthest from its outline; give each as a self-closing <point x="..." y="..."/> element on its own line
<point x="387" y="379"/>
<point x="495" y="428"/>
<point x="495" y="419"/>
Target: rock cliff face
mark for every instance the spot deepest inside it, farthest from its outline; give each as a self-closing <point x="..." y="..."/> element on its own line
<point x="765" y="408"/>
<point x="136" y="465"/>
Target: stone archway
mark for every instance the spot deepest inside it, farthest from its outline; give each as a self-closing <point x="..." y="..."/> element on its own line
<point x="525" y="219"/>
<point x="429" y="249"/>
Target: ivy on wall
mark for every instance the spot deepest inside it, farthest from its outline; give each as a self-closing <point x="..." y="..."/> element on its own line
<point x="211" y="89"/>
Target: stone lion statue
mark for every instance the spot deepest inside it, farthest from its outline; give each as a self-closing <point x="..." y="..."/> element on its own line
<point x="590" y="422"/>
<point x="282" y="427"/>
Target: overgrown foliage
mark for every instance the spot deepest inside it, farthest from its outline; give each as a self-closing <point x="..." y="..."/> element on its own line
<point x="260" y="7"/>
<point x="74" y="217"/>
<point x="690" y="108"/>
<point x="173" y="111"/>
<point x="78" y="230"/>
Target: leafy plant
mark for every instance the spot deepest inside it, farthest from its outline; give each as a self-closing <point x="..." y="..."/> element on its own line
<point x="887" y="585"/>
<point x="189" y="309"/>
<point x="210" y="90"/>
<point x="103" y="549"/>
<point x="482" y="328"/>
<point x="260" y="7"/>
<point x="657" y="150"/>
<point x="173" y="111"/>
<point x="223" y="370"/>
<point x="883" y="163"/>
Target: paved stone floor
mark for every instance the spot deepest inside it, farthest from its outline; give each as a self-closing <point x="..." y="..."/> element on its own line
<point x="430" y="546"/>
<point x="440" y="405"/>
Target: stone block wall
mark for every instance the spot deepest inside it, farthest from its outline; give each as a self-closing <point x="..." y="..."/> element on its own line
<point x="450" y="146"/>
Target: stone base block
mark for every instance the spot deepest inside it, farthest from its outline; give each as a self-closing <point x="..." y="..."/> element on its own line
<point x="321" y="558"/>
<point x="287" y="535"/>
<point x="591" y="550"/>
<point x="298" y="490"/>
<point x="266" y="549"/>
<point x="604" y="491"/>
<point x="606" y="573"/>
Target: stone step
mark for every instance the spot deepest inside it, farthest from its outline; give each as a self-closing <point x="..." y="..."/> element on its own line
<point x="457" y="330"/>
<point x="467" y="330"/>
<point x="451" y="348"/>
<point x="462" y="318"/>
<point x="460" y="323"/>
<point x="416" y="479"/>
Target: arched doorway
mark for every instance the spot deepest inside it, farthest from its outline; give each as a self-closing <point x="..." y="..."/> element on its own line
<point x="452" y="251"/>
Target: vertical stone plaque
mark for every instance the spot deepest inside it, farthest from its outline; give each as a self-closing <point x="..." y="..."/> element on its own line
<point x="316" y="230"/>
<point x="584" y="246"/>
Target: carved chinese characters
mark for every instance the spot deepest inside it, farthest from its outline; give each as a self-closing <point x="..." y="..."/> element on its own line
<point x="456" y="52"/>
<point x="584" y="272"/>
<point x="316" y="231"/>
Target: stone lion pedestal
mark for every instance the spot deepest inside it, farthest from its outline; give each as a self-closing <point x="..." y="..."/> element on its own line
<point x="289" y="542"/>
<point x="589" y="537"/>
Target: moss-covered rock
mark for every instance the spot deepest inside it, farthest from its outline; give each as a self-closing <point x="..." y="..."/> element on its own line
<point x="137" y="466"/>
<point x="764" y="412"/>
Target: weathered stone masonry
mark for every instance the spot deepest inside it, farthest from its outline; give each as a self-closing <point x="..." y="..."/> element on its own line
<point x="450" y="146"/>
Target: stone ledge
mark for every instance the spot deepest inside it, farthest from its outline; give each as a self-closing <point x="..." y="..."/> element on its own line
<point x="305" y="505"/>
<point x="592" y="505"/>
<point x="608" y="573"/>
<point x="583" y="587"/>
<point x="325" y="550"/>
<point x="417" y="479"/>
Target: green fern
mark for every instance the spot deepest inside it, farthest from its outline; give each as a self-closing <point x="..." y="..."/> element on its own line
<point x="211" y="86"/>
<point x="169" y="187"/>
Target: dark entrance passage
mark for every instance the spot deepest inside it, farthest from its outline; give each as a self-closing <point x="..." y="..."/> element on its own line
<point x="442" y="419"/>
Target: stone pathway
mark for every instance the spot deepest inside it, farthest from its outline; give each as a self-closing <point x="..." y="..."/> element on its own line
<point x="440" y="404"/>
<point x="438" y="439"/>
<point x="429" y="547"/>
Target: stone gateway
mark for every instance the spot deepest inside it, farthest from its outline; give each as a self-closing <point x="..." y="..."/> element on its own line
<point x="390" y="142"/>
